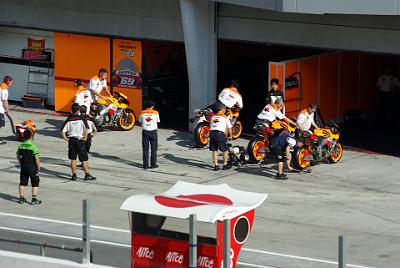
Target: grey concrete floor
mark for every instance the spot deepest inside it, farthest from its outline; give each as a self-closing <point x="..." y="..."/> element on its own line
<point x="303" y="216"/>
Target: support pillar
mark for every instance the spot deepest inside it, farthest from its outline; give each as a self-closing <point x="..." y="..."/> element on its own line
<point x="199" y="22"/>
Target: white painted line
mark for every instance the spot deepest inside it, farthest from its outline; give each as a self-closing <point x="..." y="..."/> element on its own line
<point x="254" y="265"/>
<point x="300" y="258"/>
<point x="127" y="231"/>
<point x="63" y="222"/>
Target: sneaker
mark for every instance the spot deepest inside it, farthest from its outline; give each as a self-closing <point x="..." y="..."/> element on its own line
<point x="281" y="176"/>
<point x="89" y="177"/>
<point x="36" y="201"/>
<point x="2" y="142"/>
<point x="73" y="177"/>
<point x="226" y="167"/>
<point x="216" y="168"/>
<point x="155" y="166"/>
<point x="22" y="200"/>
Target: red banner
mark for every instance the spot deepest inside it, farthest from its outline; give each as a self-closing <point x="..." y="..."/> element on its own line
<point x="36" y="45"/>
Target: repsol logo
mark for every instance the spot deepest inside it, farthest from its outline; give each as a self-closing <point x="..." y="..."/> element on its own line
<point x="145" y="252"/>
<point x="174" y="257"/>
<point x="205" y="262"/>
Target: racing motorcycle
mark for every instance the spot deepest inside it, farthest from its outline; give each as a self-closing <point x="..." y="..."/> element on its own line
<point x="201" y="132"/>
<point x="320" y="146"/>
<point x="114" y="112"/>
<point x="258" y="146"/>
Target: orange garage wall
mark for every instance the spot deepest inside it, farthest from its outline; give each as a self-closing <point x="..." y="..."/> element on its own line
<point x="76" y="57"/>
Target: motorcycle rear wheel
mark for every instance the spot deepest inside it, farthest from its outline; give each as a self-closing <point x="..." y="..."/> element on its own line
<point x="299" y="160"/>
<point x="336" y="154"/>
<point x="253" y="148"/>
<point x="201" y="134"/>
<point x="127" y="120"/>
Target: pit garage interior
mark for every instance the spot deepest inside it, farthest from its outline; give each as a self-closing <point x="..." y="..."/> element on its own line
<point x="339" y="57"/>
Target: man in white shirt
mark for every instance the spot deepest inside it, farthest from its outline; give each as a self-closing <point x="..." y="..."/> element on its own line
<point x="220" y="133"/>
<point x="271" y="112"/>
<point x="98" y="83"/>
<point x="230" y="96"/>
<point x="74" y="130"/>
<point x="7" y="82"/>
<point x="149" y="119"/>
<point x="83" y="96"/>
<point x="305" y="118"/>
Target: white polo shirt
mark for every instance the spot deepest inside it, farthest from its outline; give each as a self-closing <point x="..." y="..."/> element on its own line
<point x="97" y="85"/>
<point x="220" y="122"/>
<point x="75" y="127"/>
<point x="149" y="119"/>
<point x="305" y="120"/>
<point x="270" y="113"/>
<point x="230" y="96"/>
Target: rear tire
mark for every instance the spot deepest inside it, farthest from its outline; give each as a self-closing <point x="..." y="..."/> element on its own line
<point x="201" y="134"/>
<point x="298" y="158"/>
<point x="253" y="149"/>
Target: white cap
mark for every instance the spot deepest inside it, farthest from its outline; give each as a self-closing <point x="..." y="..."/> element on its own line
<point x="291" y="142"/>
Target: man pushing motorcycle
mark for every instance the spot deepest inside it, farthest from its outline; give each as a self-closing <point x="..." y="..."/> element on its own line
<point x="271" y="112"/>
<point x="230" y="97"/>
<point x="305" y="119"/>
<point x="98" y="83"/>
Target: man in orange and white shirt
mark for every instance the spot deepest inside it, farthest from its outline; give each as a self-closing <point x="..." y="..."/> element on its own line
<point x="7" y="82"/>
<point x="305" y="118"/>
<point x="220" y="133"/>
<point x="230" y="96"/>
<point x="98" y="83"/>
<point x="149" y="118"/>
<point x="83" y="96"/>
<point x="271" y="112"/>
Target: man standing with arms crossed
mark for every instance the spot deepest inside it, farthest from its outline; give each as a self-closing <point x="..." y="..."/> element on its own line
<point x="7" y="82"/>
<point x="98" y="83"/>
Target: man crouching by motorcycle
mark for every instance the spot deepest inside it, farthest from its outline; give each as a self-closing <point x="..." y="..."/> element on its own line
<point x="231" y="97"/>
<point x="281" y="147"/>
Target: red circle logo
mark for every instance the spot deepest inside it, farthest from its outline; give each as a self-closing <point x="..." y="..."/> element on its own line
<point x="186" y="201"/>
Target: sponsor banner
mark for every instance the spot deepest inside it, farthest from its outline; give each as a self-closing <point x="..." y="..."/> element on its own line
<point x="36" y="45"/>
<point x="127" y="63"/>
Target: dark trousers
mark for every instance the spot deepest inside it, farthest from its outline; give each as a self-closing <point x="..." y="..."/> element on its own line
<point x="149" y="139"/>
<point x="88" y="142"/>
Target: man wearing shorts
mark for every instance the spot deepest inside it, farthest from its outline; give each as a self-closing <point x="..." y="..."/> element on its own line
<point x="281" y="146"/>
<point x="75" y="131"/>
<point x="28" y="157"/>
<point x="220" y="133"/>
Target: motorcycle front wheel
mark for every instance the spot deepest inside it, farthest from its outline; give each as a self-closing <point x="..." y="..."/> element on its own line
<point x="201" y="134"/>
<point x="237" y="129"/>
<point x="127" y="120"/>
<point x="336" y="154"/>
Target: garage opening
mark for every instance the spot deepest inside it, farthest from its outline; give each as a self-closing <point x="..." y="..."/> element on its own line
<point x="344" y="84"/>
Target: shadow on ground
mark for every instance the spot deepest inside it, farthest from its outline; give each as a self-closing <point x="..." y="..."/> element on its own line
<point x="183" y="139"/>
<point x="117" y="159"/>
<point x="53" y="130"/>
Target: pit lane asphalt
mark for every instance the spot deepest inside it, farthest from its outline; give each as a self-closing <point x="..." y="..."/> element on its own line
<point x="358" y="197"/>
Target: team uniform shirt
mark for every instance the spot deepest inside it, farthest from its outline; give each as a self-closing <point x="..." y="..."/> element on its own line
<point x="149" y="119"/>
<point x="270" y="113"/>
<point x="28" y="152"/>
<point x="97" y="85"/>
<point x="305" y="120"/>
<point x="230" y="96"/>
<point x="220" y="122"/>
<point x="387" y="83"/>
<point x="84" y="97"/>
<point x="75" y="126"/>
<point x="3" y="96"/>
